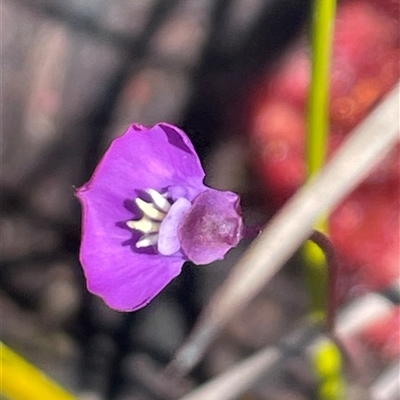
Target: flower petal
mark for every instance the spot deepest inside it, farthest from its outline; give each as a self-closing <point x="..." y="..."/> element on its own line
<point x="126" y="278"/>
<point x="143" y="158"/>
<point x="168" y="241"/>
<point x="148" y="158"/>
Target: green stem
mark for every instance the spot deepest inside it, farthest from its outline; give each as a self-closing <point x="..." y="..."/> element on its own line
<point x="332" y="384"/>
<point x="326" y="246"/>
<point x="328" y="364"/>
<point x="317" y="139"/>
<point x="318" y="103"/>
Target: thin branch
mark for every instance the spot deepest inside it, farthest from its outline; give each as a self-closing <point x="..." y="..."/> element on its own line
<point x="387" y="386"/>
<point x="234" y="382"/>
<point x="231" y="384"/>
<point x="363" y="149"/>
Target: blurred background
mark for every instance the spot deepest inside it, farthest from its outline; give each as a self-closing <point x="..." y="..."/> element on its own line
<point x="232" y="74"/>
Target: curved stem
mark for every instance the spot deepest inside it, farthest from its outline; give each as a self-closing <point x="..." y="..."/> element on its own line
<point x="322" y="279"/>
<point x="325" y="244"/>
<point x="323" y="19"/>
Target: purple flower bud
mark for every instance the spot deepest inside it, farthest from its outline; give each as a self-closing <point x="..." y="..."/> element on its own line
<point x="211" y="226"/>
<point x="146" y="211"/>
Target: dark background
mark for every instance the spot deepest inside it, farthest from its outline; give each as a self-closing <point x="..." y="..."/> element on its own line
<point x="74" y="74"/>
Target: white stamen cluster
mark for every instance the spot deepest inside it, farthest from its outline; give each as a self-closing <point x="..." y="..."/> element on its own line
<point x="153" y="215"/>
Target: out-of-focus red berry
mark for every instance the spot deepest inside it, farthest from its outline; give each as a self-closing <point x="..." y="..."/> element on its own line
<point x="391" y="7"/>
<point x="278" y="133"/>
<point x="384" y="334"/>
<point x="365" y="227"/>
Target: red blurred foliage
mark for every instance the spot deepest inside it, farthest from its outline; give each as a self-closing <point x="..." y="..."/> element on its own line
<point x="365" y="227"/>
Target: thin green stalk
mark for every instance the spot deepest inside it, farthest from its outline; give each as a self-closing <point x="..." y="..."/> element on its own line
<point x="332" y="384"/>
<point x="317" y="140"/>
<point x="318" y="105"/>
<point x="328" y="365"/>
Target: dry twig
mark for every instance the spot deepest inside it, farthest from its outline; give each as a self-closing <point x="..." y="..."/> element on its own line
<point x="232" y="383"/>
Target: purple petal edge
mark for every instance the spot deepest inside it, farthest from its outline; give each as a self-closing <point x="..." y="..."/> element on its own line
<point x="143" y="158"/>
<point x="125" y="280"/>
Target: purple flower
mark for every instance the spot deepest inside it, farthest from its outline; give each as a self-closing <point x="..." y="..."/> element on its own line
<point x="146" y="211"/>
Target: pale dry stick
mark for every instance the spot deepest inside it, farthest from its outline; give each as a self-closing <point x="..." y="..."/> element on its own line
<point x="231" y="384"/>
<point x="387" y="386"/>
<point x="360" y="313"/>
<point x="234" y="382"/>
<point x="369" y="142"/>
